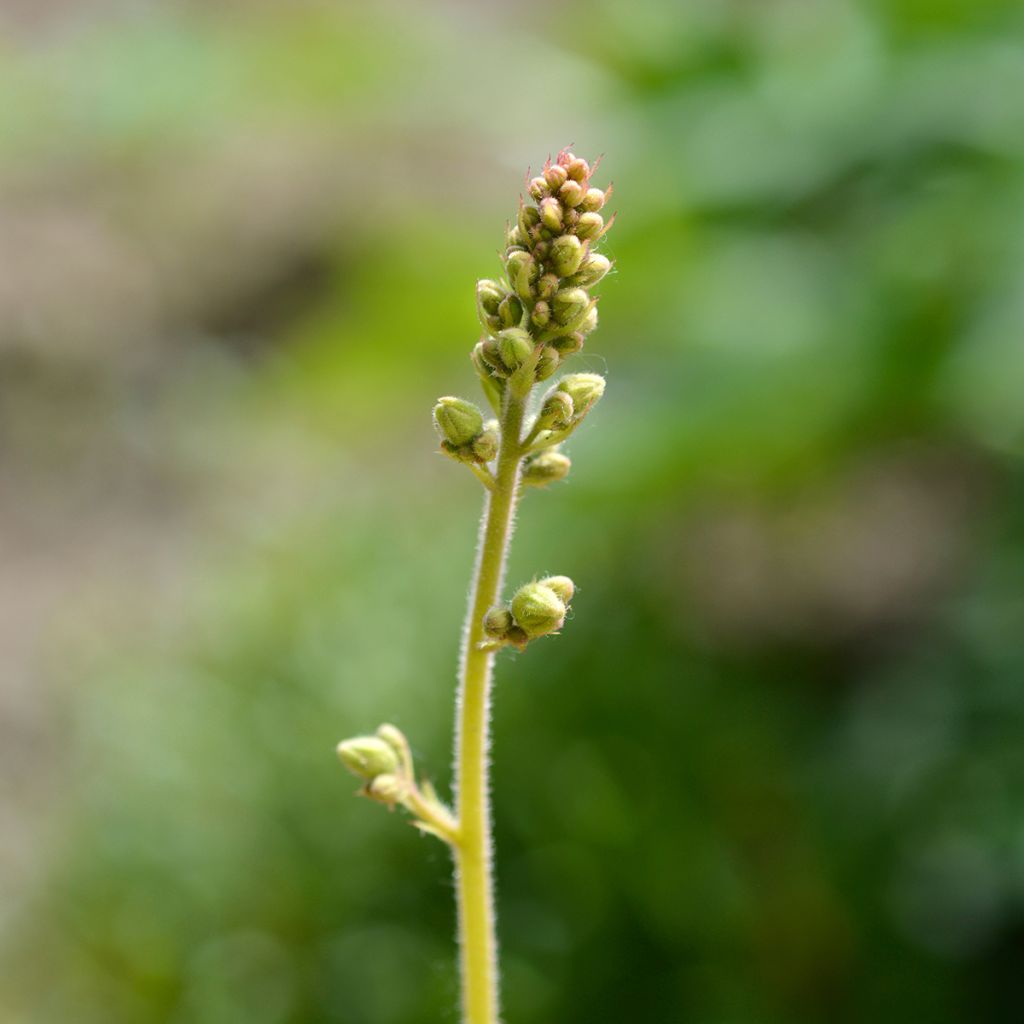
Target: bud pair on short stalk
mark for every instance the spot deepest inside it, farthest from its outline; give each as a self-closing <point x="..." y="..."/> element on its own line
<point x="464" y="434"/>
<point x="379" y="761"/>
<point x="536" y="609"/>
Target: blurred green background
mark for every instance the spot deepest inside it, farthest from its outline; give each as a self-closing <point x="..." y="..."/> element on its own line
<point x="773" y="770"/>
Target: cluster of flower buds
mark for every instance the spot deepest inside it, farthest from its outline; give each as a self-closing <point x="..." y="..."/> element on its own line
<point x="384" y="763"/>
<point x="542" y="309"/>
<point x="464" y="434"/>
<point x="536" y="609"/>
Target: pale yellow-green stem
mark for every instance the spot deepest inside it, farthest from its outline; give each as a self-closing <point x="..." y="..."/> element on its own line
<point x="478" y="948"/>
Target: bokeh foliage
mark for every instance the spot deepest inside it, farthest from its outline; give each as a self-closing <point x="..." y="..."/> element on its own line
<point x="772" y="771"/>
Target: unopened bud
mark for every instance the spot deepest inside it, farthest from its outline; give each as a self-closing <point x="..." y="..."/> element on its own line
<point x="555" y="176"/>
<point x="556" y="412"/>
<point x="528" y="219"/>
<point x="497" y="622"/>
<point x="568" y="343"/>
<point x="547" y="363"/>
<point x="566" y="255"/>
<point x="592" y="269"/>
<point x="578" y="169"/>
<point x="538" y="188"/>
<point x="551" y="214"/>
<point x="590" y="225"/>
<point x="562" y="586"/>
<point x="387" y="789"/>
<point x="515" y="346"/>
<point x="571" y="193"/>
<point x="368" y="756"/>
<point x="545" y="468"/>
<point x="486" y="352"/>
<point x="457" y="420"/>
<point x="485" y="445"/>
<point x="593" y="200"/>
<point x="510" y="311"/>
<point x="522" y="272"/>
<point x="570" y="306"/>
<point x="589" y="322"/>
<point x="541" y="314"/>
<point x="537" y="609"/>
<point x="548" y="285"/>
<point x="488" y="296"/>
<point x="584" y="389"/>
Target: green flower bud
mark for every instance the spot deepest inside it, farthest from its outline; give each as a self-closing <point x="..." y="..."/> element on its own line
<point x="515" y="346"/>
<point x="545" y="468"/>
<point x="548" y="363"/>
<point x="548" y="285"/>
<point x="538" y="610"/>
<point x="556" y="412"/>
<point x="571" y="193"/>
<point x="457" y="420"/>
<point x="566" y="255"/>
<point x="584" y="389"/>
<point x="578" y="169"/>
<point x="555" y="176"/>
<point x="528" y="219"/>
<point x="593" y="200"/>
<point x="489" y="354"/>
<point x="541" y="314"/>
<point x="570" y="306"/>
<point x="497" y="622"/>
<point x="522" y="272"/>
<point x="387" y="789"/>
<point x="592" y="269"/>
<point x="562" y="586"/>
<point x="510" y="311"/>
<point x="488" y="296"/>
<point x="568" y="343"/>
<point x="485" y="446"/>
<point x="514" y="238"/>
<point x="551" y="214"/>
<point x="394" y="736"/>
<point x="589" y="322"/>
<point x="538" y="188"/>
<point x="368" y="756"/>
<point x="590" y="225"/>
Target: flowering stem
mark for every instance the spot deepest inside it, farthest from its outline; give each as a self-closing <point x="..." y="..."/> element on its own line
<point x="473" y="852"/>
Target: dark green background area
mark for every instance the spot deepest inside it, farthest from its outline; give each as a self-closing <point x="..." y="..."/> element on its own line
<point x="772" y="771"/>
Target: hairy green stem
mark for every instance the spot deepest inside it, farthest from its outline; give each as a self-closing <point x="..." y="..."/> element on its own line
<point x="473" y="851"/>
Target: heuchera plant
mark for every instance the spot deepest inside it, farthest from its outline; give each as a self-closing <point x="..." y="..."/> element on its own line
<point x="534" y="318"/>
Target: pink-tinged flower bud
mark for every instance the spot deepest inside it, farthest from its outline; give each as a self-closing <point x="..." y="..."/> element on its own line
<point x="538" y="610"/>
<point x="541" y="314"/>
<point x="578" y="169"/>
<point x="515" y="346"/>
<point x="551" y="214"/>
<point x="555" y="176"/>
<point x="593" y="200"/>
<point x="566" y="255"/>
<point x="565" y="158"/>
<point x="590" y="225"/>
<point x="538" y="188"/>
